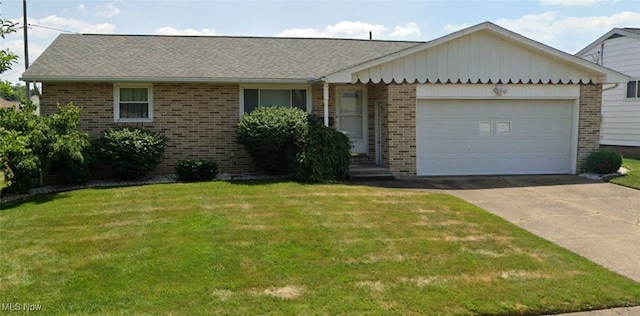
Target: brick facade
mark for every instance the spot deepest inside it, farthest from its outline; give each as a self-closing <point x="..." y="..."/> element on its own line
<point x="590" y="117"/>
<point x="199" y="121"/>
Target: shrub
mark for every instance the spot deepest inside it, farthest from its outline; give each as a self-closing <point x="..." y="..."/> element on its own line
<point x="269" y="134"/>
<point x="132" y="152"/>
<point x="604" y="162"/>
<point x="324" y="154"/>
<point x="19" y="164"/>
<point x="196" y="170"/>
<point x="27" y="140"/>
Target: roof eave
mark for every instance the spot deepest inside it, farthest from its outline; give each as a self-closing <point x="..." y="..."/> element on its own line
<point x="610" y="76"/>
<point x="167" y="79"/>
<point x="615" y="31"/>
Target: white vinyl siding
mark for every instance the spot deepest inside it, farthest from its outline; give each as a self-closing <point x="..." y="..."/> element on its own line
<point x="132" y="102"/>
<point x="480" y="56"/>
<point x="620" y="114"/>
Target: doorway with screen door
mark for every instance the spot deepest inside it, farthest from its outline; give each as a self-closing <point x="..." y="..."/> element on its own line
<point x="351" y="117"/>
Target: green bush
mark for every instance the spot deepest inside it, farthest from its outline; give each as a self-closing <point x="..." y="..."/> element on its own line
<point x="28" y="140"/>
<point x="604" y="162"/>
<point x="196" y="170"/>
<point x="132" y="152"/>
<point x="19" y="164"/>
<point x="324" y="154"/>
<point x="288" y="141"/>
<point x="270" y="134"/>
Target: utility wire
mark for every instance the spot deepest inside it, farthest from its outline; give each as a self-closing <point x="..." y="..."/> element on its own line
<point x="52" y="28"/>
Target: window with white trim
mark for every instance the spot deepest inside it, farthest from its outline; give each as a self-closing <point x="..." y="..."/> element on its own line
<point x="253" y="97"/>
<point x="133" y="102"/>
<point x="633" y="89"/>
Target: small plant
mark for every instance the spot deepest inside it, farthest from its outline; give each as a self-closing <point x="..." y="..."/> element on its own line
<point x="604" y="162"/>
<point x="196" y="170"/>
<point x="132" y="152"/>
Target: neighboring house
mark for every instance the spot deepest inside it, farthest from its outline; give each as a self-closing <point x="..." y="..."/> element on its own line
<point x="7" y="104"/>
<point x="483" y="100"/>
<point x="619" y="50"/>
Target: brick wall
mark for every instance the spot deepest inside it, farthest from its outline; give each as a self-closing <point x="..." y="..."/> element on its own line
<point x="625" y="151"/>
<point x="199" y="120"/>
<point x="589" y="123"/>
<point x="401" y="122"/>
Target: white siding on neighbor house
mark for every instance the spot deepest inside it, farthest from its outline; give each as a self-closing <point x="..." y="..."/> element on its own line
<point x="477" y="57"/>
<point x="620" y="116"/>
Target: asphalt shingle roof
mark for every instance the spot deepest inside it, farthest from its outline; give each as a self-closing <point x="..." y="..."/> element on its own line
<point x="632" y="30"/>
<point x="135" y="57"/>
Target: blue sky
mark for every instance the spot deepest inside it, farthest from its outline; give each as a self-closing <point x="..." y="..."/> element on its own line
<point x="568" y="25"/>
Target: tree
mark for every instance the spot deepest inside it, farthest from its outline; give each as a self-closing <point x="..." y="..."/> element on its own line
<point x="28" y="140"/>
<point x="14" y="92"/>
<point x="7" y="58"/>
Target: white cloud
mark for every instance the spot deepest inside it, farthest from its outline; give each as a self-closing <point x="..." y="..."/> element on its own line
<point x="568" y="33"/>
<point x="450" y="28"/>
<point x="108" y="10"/>
<point x="41" y="33"/>
<point x="348" y="29"/>
<point x="82" y="9"/>
<point x="571" y="2"/>
<point x="410" y="29"/>
<point x="70" y="25"/>
<point x="168" y="30"/>
<point x="308" y="32"/>
<point x="549" y="26"/>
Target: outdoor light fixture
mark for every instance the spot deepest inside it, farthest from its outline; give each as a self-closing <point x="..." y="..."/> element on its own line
<point x="499" y="90"/>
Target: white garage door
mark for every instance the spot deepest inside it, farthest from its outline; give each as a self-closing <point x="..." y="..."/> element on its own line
<point x="491" y="137"/>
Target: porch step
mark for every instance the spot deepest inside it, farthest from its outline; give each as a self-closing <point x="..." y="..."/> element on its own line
<point x="359" y="172"/>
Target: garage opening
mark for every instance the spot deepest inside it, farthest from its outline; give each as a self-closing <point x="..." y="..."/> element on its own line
<point x="494" y="137"/>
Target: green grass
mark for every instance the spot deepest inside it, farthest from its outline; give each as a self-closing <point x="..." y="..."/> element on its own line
<point x="2" y="181"/>
<point x="631" y="179"/>
<point x="283" y="248"/>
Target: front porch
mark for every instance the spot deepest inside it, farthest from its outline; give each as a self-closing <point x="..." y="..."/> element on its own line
<point x="368" y="172"/>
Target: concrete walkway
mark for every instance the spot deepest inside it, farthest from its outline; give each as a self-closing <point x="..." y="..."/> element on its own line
<point x="599" y="221"/>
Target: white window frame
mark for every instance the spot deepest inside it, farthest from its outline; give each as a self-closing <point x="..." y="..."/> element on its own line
<point x="276" y="87"/>
<point x="503" y="127"/>
<point x="626" y="88"/>
<point x="116" y="102"/>
<point x="485" y="128"/>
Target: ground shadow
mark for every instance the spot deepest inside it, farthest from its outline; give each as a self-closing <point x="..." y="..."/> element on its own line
<point x="478" y="182"/>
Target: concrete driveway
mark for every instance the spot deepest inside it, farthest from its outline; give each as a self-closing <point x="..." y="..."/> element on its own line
<point x="600" y="221"/>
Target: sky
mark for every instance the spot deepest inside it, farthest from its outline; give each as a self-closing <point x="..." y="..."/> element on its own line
<point x="568" y="25"/>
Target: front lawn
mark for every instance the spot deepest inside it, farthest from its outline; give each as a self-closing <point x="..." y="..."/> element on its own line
<point x="281" y="248"/>
<point x="631" y="179"/>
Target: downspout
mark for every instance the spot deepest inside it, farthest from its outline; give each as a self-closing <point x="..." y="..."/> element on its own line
<point x="325" y="100"/>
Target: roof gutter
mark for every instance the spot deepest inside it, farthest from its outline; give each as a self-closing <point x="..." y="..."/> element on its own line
<point x="168" y="79"/>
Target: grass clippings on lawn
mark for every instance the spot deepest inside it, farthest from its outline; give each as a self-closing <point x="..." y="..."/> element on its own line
<point x="285" y="248"/>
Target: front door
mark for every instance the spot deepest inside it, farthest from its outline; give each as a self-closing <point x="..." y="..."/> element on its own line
<point x="352" y="117"/>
